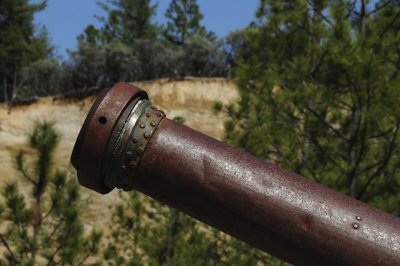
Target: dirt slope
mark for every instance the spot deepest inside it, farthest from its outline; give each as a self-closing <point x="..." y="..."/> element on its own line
<point x="191" y="99"/>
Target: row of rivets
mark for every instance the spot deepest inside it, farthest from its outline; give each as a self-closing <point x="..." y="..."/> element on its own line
<point x="140" y="150"/>
<point x="135" y="149"/>
<point x="356" y="225"/>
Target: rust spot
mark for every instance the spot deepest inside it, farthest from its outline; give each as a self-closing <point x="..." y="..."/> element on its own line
<point x="148" y="115"/>
<point x="139" y="150"/>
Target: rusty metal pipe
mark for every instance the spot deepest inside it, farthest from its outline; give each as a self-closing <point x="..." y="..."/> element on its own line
<point x="126" y="142"/>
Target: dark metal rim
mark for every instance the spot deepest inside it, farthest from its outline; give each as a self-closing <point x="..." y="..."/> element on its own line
<point x="104" y="116"/>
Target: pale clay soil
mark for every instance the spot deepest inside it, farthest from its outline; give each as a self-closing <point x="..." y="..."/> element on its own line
<point x="192" y="99"/>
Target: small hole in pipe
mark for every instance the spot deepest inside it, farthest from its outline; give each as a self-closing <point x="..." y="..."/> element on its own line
<point x="102" y="120"/>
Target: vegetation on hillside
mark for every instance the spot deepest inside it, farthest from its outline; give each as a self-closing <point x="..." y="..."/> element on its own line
<point x="21" y="45"/>
<point x="45" y="227"/>
<point x="319" y="96"/>
<point x="128" y="46"/>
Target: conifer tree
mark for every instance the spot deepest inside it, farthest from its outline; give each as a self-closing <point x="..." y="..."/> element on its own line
<point x="319" y="95"/>
<point x="46" y="227"/>
<point x="20" y="44"/>
<point x="126" y="21"/>
<point x="183" y="24"/>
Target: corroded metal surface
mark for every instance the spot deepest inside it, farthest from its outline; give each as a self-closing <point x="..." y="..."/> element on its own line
<point x="98" y="131"/>
<point x="268" y="207"/>
<point x="128" y="150"/>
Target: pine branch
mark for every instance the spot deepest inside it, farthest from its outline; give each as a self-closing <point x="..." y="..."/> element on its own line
<point x="53" y="232"/>
<point x="85" y="258"/>
<point x="325" y="18"/>
<point x="88" y="254"/>
<point x="321" y="60"/>
<point x="389" y="25"/>
<point x="314" y="175"/>
<point x="381" y="134"/>
<point x="5" y="243"/>
<point x="337" y="132"/>
<point x="21" y="168"/>
<point x="51" y="260"/>
<point x="324" y="152"/>
<point x="379" y="6"/>
<point x="49" y="211"/>
<point x="369" y="167"/>
<point x="383" y="164"/>
<point x="60" y="246"/>
<point x="353" y="173"/>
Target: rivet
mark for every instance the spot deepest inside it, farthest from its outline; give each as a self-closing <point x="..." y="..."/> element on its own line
<point x="132" y="164"/>
<point x="152" y="123"/>
<point x="356" y="226"/>
<point x="159" y="114"/>
<point x="146" y="135"/>
<point x="129" y="153"/>
<point x="139" y="150"/>
<point x="142" y="125"/>
<point x="358" y="218"/>
<point x="148" y="114"/>
<point x="123" y="167"/>
<point x="135" y="140"/>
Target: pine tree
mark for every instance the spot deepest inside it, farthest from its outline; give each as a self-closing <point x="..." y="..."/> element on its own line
<point x="19" y="43"/>
<point x="126" y="21"/>
<point x="46" y="227"/>
<point x="183" y="24"/>
<point x="319" y="95"/>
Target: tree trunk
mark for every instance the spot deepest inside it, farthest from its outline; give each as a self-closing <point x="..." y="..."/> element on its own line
<point x="363" y="17"/>
<point x="5" y="90"/>
<point x="36" y="225"/>
<point x="14" y="93"/>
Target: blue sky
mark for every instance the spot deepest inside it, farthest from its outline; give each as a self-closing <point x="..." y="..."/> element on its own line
<point x="66" y="19"/>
